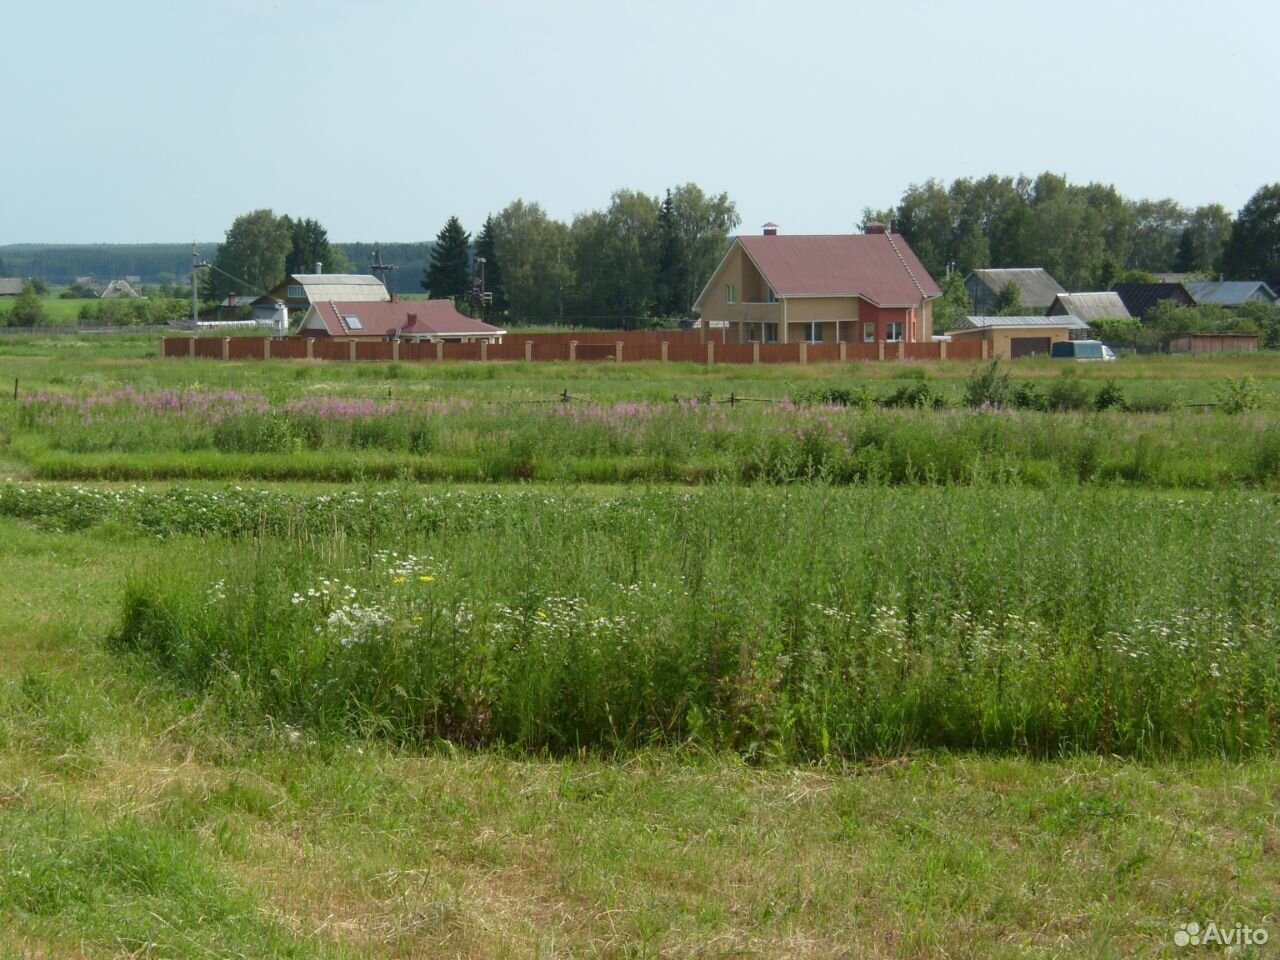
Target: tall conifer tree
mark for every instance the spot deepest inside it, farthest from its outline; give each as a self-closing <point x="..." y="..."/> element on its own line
<point x="449" y="272"/>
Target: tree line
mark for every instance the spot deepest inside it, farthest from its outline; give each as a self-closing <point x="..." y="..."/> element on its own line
<point x="1085" y="236"/>
<point x="642" y="258"/>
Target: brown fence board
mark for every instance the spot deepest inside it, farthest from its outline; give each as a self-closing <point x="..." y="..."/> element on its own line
<point x="824" y="353"/>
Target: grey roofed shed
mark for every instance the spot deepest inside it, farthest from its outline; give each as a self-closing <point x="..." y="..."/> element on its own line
<point x="1036" y="289"/>
<point x="1089" y="306"/>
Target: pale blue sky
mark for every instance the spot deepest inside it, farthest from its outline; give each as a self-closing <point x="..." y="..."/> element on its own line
<point x="161" y="120"/>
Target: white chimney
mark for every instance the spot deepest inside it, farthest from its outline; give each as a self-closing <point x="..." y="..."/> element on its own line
<point x="319" y="267"/>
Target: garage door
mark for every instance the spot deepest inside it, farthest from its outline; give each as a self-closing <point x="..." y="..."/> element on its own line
<point x="1026" y="346"/>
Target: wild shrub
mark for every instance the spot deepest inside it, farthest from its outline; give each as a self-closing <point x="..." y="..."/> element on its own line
<point x="1110" y="397"/>
<point x="988" y="387"/>
<point x="1068" y="394"/>
<point x="1238" y="395"/>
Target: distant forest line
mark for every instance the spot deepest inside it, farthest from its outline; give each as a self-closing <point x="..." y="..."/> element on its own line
<point x="165" y="263"/>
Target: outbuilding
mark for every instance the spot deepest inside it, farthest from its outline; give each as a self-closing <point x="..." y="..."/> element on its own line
<point x="1014" y="337"/>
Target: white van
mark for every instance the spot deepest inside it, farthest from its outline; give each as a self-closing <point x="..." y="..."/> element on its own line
<point x="1081" y="350"/>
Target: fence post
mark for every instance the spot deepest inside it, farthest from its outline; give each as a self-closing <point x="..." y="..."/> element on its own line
<point x="664" y="351"/>
<point x="711" y="352"/>
<point x="266" y="348"/>
<point x="942" y="349"/>
<point x="484" y="351"/>
<point x="351" y="351"/>
<point x="311" y="348"/>
<point x="439" y="349"/>
<point x="844" y="353"/>
<point x="804" y="352"/>
<point x="880" y="349"/>
<point x="395" y="349"/>
<point x="528" y="351"/>
<point x="191" y="346"/>
<point x="617" y="351"/>
<point x="986" y="349"/>
<point x="902" y="349"/>
<point x="226" y="348"/>
<point x="573" y="350"/>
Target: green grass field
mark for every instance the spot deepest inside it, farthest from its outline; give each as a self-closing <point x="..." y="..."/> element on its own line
<point x="1019" y="711"/>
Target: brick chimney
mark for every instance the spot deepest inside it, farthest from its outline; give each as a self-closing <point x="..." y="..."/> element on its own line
<point x="770" y="229"/>
<point x="875" y="226"/>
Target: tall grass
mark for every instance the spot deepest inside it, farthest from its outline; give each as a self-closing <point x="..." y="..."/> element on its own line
<point x="796" y="624"/>
<point x="131" y="435"/>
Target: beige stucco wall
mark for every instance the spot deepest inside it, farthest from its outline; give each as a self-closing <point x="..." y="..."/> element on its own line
<point x="998" y="340"/>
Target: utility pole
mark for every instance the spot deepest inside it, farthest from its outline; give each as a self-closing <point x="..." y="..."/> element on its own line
<point x="380" y="269"/>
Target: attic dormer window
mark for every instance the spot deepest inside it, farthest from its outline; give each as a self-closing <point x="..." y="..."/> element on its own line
<point x="295" y="291"/>
<point x="352" y="322"/>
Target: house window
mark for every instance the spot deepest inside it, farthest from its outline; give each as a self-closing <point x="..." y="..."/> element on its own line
<point x="352" y="322"/>
<point x="295" y="291"/>
<point x="893" y="332"/>
<point x="773" y="296"/>
<point x="751" y="333"/>
<point x="770" y="333"/>
<point x="813" y="332"/>
<point x="869" y="332"/>
<point x="730" y="294"/>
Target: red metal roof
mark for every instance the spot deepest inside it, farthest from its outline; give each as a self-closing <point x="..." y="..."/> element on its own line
<point x="880" y="268"/>
<point x="418" y="318"/>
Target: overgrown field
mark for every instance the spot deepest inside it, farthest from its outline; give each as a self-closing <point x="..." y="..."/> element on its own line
<point x="797" y="625"/>
<point x="131" y="434"/>
<point x="884" y="681"/>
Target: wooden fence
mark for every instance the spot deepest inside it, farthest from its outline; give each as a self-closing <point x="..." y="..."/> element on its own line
<point x="663" y="346"/>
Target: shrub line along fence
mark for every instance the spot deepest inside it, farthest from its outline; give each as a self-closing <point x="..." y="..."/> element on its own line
<point x="682" y="346"/>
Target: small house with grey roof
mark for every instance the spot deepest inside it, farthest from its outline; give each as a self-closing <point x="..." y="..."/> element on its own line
<point x="1089" y="306"/>
<point x="1229" y="293"/>
<point x="300" y="290"/>
<point x="1036" y="289"/>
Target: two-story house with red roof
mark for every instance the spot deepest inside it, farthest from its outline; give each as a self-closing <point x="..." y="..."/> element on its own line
<point x="855" y="288"/>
